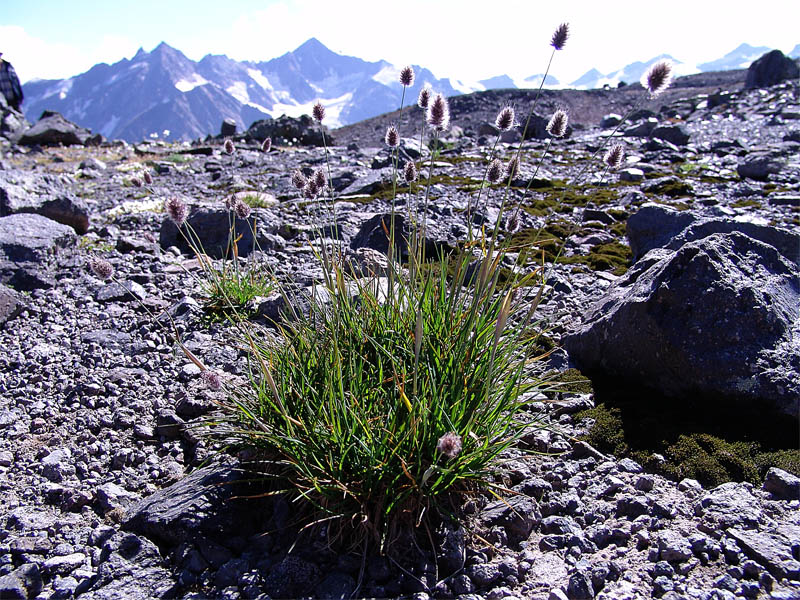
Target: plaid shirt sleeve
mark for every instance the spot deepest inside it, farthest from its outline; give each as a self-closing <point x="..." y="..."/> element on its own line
<point x="9" y="83"/>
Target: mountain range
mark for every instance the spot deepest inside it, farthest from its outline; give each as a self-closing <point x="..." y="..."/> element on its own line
<point x="163" y="94"/>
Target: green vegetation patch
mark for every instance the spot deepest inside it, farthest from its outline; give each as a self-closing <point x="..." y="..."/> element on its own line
<point x="691" y="444"/>
<point x="532" y="244"/>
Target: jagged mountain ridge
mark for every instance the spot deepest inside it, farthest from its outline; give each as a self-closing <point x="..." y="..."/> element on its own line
<point x="164" y="94"/>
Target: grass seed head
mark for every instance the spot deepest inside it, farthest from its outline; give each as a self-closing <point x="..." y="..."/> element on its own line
<point x="439" y="113"/>
<point x="101" y="268"/>
<point x="512" y="225"/>
<point x="424" y="98"/>
<point x="449" y="444"/>
<point x="557" y="126"/>
<point x="211" y="380"/>
<point x="319" y="178"/>
<point x="505" y="119"/>
<point x="318" y="112"/>
<point x="136" y="182"/>
<point x="495" y="171"/>
<point x="228" y="146"/>
<point x="176" y="210"/>
<point x="614" y="156"/>
<point x="410" y="171"/>
<point x="298" y="179"/>
<point x="560" y="36"/>
<point x="658" y="77"/>
<point x="392" y="137"/>
<point x="242" y="209"/>
<point x="512" y="168"/>
<point x="311" y="189"/>
<point x="407" y="76"/>
<point x="266" y="145"/>
<point x="148" y="179"/>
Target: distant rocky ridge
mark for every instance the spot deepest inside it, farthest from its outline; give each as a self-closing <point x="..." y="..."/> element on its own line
<point x="162" y="94"/>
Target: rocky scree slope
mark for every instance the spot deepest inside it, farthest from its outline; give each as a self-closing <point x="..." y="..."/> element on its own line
<point x="108" y="493"/>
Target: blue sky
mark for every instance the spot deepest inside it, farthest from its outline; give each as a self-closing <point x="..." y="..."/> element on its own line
<point x="464" y="39"/>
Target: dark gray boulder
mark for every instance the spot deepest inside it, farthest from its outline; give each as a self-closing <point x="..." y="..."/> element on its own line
<point x="27" y="241"/>
<point x="10" y="304"/>
<point x="658" y="226"/>
<point x="286" y="131"/>
<point x="211" y="226"/>
<point x="52" y="129"/>
<point x="653" y="226"/>
<point x="46" y="195"/>
<point x="674" y="134"/>
<point x="770" y="69"/>
<point x="759" y="166"/>
<point x="715" y="317"/>
<point x="130" y="568"/>
<point x="22" y="583"/>
<point x="199" y="505"/>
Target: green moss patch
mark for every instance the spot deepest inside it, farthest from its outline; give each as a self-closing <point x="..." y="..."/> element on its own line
<point x="677" y="440"/>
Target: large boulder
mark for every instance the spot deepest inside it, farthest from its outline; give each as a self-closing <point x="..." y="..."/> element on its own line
<point x="27" y="241"/>
<point x="212" y="228"/>
<point x="770" y="69"/>
<point x="52" y="129"/>
<point x="658" y="226"/>
<point x="714" y="318"/>
<point x="42" y="194"/>
<point x="286" y="131"/>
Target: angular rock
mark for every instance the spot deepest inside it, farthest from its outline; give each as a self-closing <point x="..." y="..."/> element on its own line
<point x="10" y="304"/>
<point x="673" y="546"/>
<point x="198" y="505"/>
<point x="27" y="241"/>
<point x="715" y="317"/>
<point x="132" y="568"/>
<point x="22" y="583"/>
<point x="212" y="228"/>
<point x="52" y="129"/>
<point x="286" y="131"/>
<point x="782" y="485"/>
<point x="769" y="548"/>
<point x="46" y="195"/>
<point x="518" y="516"/>
<point x="770" y="69"/>
<point x="759" y="166"/>
<point x="729" y="505"/>
<point x="674" y="134"/>
<point x="228" y="127"/>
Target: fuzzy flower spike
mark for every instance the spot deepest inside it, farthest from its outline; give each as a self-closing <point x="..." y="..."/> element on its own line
<point x="407" y="76"/>
<point x="449" y="444"/>
<point x="614" y="156"/>
<point x="392" y="137"/>
<point x="318" y="112"/>
<point x="424" y="98"/>
<point x="505" y="119"/>
<point x="176" y="210"/>
<point x="658" y="78"/>
<point x="101" y="268"/>
<point x="557" y="127"/>
<point x="560" y="36"/>
<point x="439" y="113"/>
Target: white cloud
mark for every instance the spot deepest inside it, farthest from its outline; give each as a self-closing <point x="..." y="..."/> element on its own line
<point x="36" y="58"/>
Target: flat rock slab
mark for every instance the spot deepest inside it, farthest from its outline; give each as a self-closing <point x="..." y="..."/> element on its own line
<point x="42" y="194"/>
<point x="199" y="505"/>
<point x="770" y="548"/>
